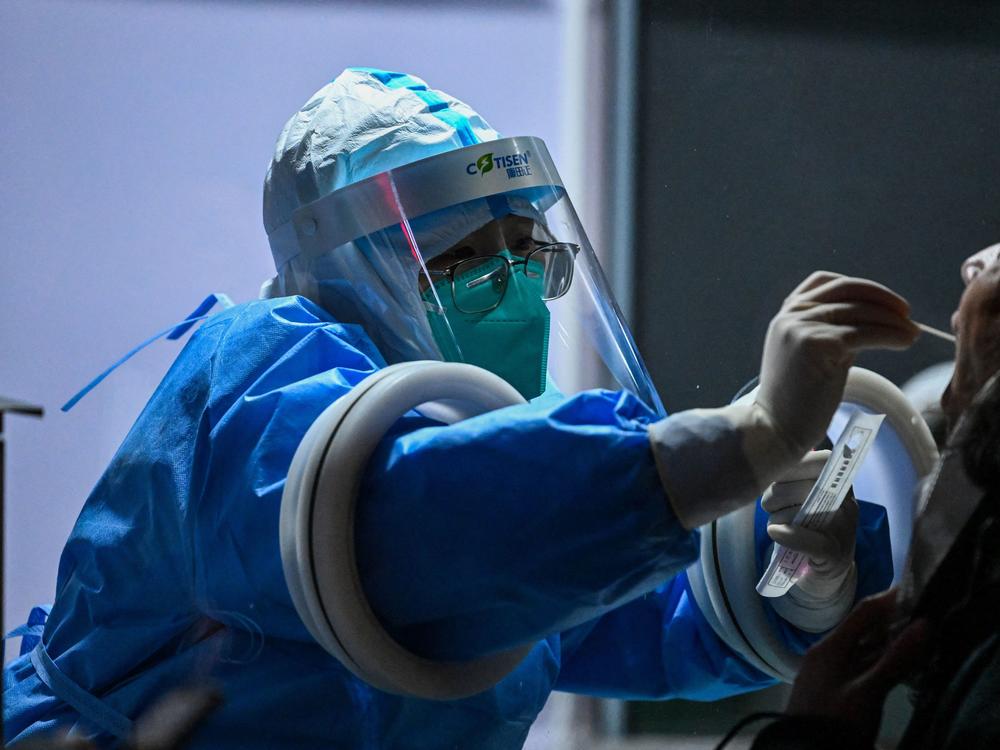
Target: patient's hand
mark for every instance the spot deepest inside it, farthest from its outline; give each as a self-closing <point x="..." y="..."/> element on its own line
<point x="848" y="674"/>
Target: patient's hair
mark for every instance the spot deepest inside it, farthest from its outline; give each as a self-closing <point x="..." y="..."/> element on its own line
<point x="963" y="597"/>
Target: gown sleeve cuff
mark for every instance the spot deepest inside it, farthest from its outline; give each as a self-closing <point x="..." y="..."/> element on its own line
<point x="713" y="461"/>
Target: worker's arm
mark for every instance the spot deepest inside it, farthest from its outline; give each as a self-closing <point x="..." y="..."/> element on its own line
<point x="516" y="524"/>
<point x="472" y="537"/>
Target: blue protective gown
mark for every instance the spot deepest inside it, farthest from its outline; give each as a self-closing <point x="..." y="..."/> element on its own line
<point x="544" y="522"/>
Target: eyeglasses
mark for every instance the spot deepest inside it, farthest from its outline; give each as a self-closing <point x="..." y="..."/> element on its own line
<point x="478" y="284"/>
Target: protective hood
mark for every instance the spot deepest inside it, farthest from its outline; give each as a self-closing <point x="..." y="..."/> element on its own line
<point x="359" y="218"/>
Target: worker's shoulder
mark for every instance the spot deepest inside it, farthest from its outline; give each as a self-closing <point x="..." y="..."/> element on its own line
<point x="278" y="311"/>
<point x="286" y="338"/>
<point x="281" y="322"/>
<point x="271" y="345"/>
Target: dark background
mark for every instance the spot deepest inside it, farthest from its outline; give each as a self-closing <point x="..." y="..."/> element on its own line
<point x="776" y="139"/>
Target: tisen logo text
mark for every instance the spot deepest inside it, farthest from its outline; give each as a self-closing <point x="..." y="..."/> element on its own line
<point x="517" y="165"/>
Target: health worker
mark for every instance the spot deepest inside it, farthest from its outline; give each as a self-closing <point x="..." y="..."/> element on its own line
<point x="405" y="229"/>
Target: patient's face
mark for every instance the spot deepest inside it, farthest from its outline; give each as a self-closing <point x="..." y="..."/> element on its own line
<point x="977" y="263"/>
<point x="976" y="324"/>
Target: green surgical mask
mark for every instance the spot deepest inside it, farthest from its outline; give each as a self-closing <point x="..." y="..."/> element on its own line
<point x="511" y="340"/>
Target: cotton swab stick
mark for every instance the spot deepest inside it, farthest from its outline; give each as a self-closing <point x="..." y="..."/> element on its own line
<point x="922" y="326"/>
<point x="934" y="331"/>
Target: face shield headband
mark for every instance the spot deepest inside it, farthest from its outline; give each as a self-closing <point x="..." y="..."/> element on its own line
<point x="520" y="164"/>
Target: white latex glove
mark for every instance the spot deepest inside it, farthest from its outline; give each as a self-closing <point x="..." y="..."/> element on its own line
<point x="811" y="344"/>
<point x="822" y="597"/>
<point x="712" y="461"/>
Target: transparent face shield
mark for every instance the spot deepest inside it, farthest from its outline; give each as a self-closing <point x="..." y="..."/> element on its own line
<point x="475" y="256"/>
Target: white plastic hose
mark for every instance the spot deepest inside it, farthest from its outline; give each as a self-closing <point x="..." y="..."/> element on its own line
<point x="317" y="525"/>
